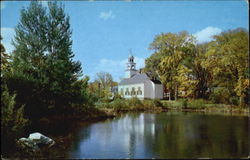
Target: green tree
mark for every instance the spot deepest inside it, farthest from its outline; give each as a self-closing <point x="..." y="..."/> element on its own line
<point x="12" y="119"/>
<point x="103" y="83"/>
<point x="4" y="59"/>
<point x="227" y="62"/>
<point x="61" y="69"/>
<point x="43" y="71"/>
<point x="104" y="79"/>
<point x="171" y="51"/>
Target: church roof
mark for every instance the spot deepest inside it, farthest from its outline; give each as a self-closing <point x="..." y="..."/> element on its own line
<point x="137" y="78"/>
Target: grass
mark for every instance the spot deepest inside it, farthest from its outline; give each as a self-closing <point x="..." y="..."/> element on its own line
<point x="203" y="105"/>
<point x="133" y="104"/>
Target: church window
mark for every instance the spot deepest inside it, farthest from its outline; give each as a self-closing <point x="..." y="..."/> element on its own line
<point x="139" y="92"/>
<point x="133" y="91"/>
<point x="127" y="91"/>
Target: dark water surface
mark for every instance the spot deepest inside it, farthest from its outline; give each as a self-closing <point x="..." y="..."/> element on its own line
<point x="164" y="135"/>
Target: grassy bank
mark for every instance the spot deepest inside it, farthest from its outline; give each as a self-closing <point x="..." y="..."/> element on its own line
<point x="204" y="106"/>
<point x="118" y="106"/>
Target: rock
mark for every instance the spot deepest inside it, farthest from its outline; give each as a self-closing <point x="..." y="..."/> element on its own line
<point x="41" y="139"/>
<point x="35" y="141"/>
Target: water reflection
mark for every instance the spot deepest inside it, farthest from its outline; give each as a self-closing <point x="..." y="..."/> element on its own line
<point x="165" y="135"/>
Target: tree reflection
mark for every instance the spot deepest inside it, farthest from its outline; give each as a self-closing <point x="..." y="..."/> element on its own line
<point x="165" y="135"/>
<point x="194" y="136"/>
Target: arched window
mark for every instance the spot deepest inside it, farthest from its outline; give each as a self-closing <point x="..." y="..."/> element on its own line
<point x="139" y="92"/>
<point x="127" y="91"/>
<point x="133" y="91"/>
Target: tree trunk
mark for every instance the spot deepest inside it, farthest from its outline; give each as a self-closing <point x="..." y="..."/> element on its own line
<point x="176" y="93"/>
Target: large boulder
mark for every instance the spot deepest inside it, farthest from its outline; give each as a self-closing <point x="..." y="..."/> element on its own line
<point x="40" y="139"/>
<point x="35" y="141"/>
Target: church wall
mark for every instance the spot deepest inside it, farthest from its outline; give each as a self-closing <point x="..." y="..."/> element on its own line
<point x="158" y="91"/>
<point x="149" y="89"/>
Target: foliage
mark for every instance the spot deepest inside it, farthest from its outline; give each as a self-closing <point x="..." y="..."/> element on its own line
<point x="157" y="103"/>
<point x="4" y="59"/>
<point x="43" y="73"/>
<point x="104" y="79"/>
<point x="220" y="95"/>
<point x="12" y="119"/>
<point x="196" y="69"/>
<point x="134" y="103"/>
<point x="234" y="100"/>
<point x="102" y="85"/>
<point x="173" y="54"/>
<point x="227" y="62"/>
<point x="197" y="103"/>
<point x="119" y="105"/>
<point x="184" y="103"/>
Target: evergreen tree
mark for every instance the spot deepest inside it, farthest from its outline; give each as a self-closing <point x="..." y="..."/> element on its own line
<point x="62" y="70"/>
<point x="43" y="71"/>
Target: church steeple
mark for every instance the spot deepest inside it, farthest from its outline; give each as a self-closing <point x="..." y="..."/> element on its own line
<point x="130" y="70"/>
<point x="131" y="64"/>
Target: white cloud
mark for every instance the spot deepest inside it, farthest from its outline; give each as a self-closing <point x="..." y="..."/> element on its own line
<point x="3" y="4"/>
<point x="207" y="34"/>
<point x="116" y="67"/>
<point x="107" y="15"/>
<point x="7" y="35"/>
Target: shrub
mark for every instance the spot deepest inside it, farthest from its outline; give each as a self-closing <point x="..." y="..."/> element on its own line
<point x="234" y="100"/>
<point x="157" y="103"/>
<point x="134" y="103"/>
<point x="119" y="105"/>
<point x="12" y="120"/>
<point x="148" y="103"/>
<point x="184" y="103"/>
<point x="198" y="103"/>
<point x="220" y="95"/>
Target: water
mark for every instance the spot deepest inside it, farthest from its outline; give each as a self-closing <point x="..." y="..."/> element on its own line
<point x="164" y="135"/>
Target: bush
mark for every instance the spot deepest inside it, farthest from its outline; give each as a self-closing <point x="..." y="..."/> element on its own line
<point x="157" y="103"/>
<point x="134" y="103"/>
<point x="234" y="100"/>
<point x="220" y="95"/>
<point x="148" y="103"/>
<point x="119" y="105"/>
<point x="12" y="120"/>
<point x="184" y="103"/>
<point x="198" y="103"/>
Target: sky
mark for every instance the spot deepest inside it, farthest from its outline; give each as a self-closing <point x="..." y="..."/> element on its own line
<point x="104" y="32"/>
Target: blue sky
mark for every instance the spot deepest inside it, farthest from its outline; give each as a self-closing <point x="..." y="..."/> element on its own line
<point x="105" y="31"/>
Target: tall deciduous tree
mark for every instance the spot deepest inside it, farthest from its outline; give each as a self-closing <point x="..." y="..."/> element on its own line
<point x="227" y="61"/>
<point x="105" y="79"/>
<point x="171" y="51"/>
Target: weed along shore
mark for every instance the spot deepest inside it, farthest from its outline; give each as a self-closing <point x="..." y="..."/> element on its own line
<point x="205" y="106"/>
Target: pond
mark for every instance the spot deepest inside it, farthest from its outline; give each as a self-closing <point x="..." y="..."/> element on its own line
<point x="164" y="135"/>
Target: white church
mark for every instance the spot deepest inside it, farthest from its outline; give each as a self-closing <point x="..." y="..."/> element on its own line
<point x="136" y="84"/>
